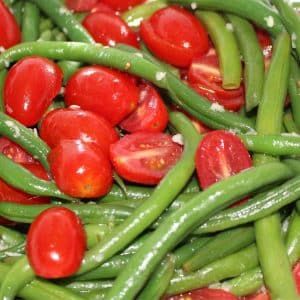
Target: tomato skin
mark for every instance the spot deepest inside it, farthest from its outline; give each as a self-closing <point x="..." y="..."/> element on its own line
<point x="80" y="5"/>
<point x="56" y="243"/>
<point x="122" y="5"/>
<point x="296" y="273"/>
<point x="104" y="91"/>
<point x="10" y="33"/>
<point x="151" y="115"/>
<point x="109" y="29"/>
<point x="258" y="296"/>
<point x="25" y="100"/>
<point x="75" y="123"/>
<point x="104" y="8"/>
<point x="144" y="157"/>
<point x="177" y="47"/>
<point x="80" y="170"/>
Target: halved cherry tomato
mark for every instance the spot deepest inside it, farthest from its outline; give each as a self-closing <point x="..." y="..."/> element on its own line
<point x="104" y="91"/>
<point x="144" y="157"/>
<point x="56" y="243"/>
<point x="81" y="5"/>
<point x="80" y="169"/>
<point x="30" y="86"/>
<point x="109" y="29"/>
<point x="75" y="123"/>
<point x="296" y="272"/>
<point x="122" y="5"/>
<point x="10" y="33"/>
<point x="151" y="114"/>
<point x="220" y="154"/>
<point x="104" y="8"/>
<point x="258" y="296"/>
<point x="174" y="35"/>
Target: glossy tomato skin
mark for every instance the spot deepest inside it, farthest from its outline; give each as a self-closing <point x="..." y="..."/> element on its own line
<point x="104" y="91"/>
<point x="75" y="123"/>
<point x="80" y="5"/>
<point x="80" y="169"/>
<point x="109" y="29"/>
<point x="104" y="8"/>
<point x="29" y="88"/>
<point x="10" y="33"/>
<point x="56" y="243"/>
<point x="143" y="157"/>
<point x="179" y="46"/>
<point x="258" y="296"/>
<point x="151" y="115"/>
<point x="122" y="5"/>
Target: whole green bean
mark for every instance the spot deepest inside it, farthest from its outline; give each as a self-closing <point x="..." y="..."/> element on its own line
<point x="3" y="74"/>
<point x="83" y="287"/>
<point x="293" y="238"/>
<point x="13" y="251"/>
<point x="289" y="123"/>
<point x="17" y="8"/>
<point x="9" y="237"/>
<point x="294" y="164"/>
<point x="69" y="68"/>
<point x="294" y="90"/>
<point x="94" y="233"/>
<point x="30" y="22"/>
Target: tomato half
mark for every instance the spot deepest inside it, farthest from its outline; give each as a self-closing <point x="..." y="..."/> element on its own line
<point x="174" y="35"/>
<point x="109" y="29"/>
<point x="122" y="5"/>
<point x="75" y="123"/>
<point x="151" y="115"/>
<point x="80" y="169"/>
<point x="10" y="33"/>
<point x="258" y="296"/>
<point x="144" y="157"/>
<point x="56" y="243"/>
<point x="80" y="5"/>
<point x="104" y="8"/>
<point x="107" y="92"/>
<point x="30" y="86"/>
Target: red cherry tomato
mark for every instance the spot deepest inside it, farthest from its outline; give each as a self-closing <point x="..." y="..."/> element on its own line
<point x="104" y="91"/>
<point x="75" y="123"/>
<point x="104" y="8"/>
<point x="220" y="154"/>
<point x="122" y="5"/>
<point x="144" y="157"/>
<point x="258" y="296"/>
<point x="151" y="114"/>
<point x="79" y="169"/>
<point x="264" y="41"/>
<point x="30" y="86"/>
<point x="174" y="35"/>
<point x="296" y="272"/>
<point x="80" y="5"/>
<point x="109" y="29"/>
<point x="10" y="33"/>
<point x="56" y="243"/>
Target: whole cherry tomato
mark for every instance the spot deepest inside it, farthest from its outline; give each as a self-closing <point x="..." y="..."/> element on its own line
<point x="81" y="5"/>
<point x="80" y="169"/>
<point x="104" y="91"/>
<point x="144" y="157"/>
<point x="121" y="5"/>
<point x="174" y="35"/>
<point x="56" y="243"/>
<point x="75" y="123"/>
<point x="104" y="8"/>
<point x="30" y="86"/>
<point x="151" y="115"/>
<point x="109" y="29"/>
<point x="10" y="33"/>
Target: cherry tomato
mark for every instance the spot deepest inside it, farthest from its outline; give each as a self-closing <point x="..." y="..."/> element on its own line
<point x="75" y="123"/>
<point x="56" y="243"/>
<point x="220" y="154"/>
<point x="174" y="35"/>
<point x="79" y="169"/>
<point x="296" y="272"/>
<point x="109" y="29"/>
<point x="10" y="33"/>
<point x="264" y="41"/>
<point x="30" y="86"/>
<point x="258" y="296"/>
<point x="143" y="157"/>
<point x="151" y="114"/>
<point x="104" y="8"/>
<point x="122" y="5"/>
<point x="80" y="5"/>
<point x="104" y="91"/>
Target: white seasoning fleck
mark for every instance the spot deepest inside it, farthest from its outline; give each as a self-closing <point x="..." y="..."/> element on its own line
<point x="293" y="38"/>
<point x="111" y="43"/>
<point x="193" y="5"/>
<point x="229" y="26"/>
<point x="217" y="107"/>
<point x="2" y="49"/>
<point x="138" y="54"/>
<point x="178" y="139"/>
<point x="160" y="76"/>
<point x="65" y="30"/>
<point x="63" y="11"/>
<point x="127" y="66"/>
<point x="270" y="21"/>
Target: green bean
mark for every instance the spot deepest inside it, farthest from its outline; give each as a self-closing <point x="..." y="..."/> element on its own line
<point x="94" y="233"/>
<point x="221" y="245"/>
<point x="184" y="220"/>
<point x="294" y="90"/>
<point x="226" y="46"/>
<point x="46" y="36"/>
<point x="45" y="24"/>
<point x="293" y="238"/>
<point x="13" y="251"/>
<point x="293" y="164"/>
<point x="30" y="22"/>
<point x="9" y="237"/>
<point x="289" y="123"/>
<point x="17" y="8"/>
<point x="253" y="58"/>
<point x="58" y="35"/>
<point x="3" y="74"/>
<point x="84" y="287"/>
<point x="69" y="68"/>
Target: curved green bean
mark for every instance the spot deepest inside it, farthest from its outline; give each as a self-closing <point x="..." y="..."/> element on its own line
<point x="3" y="74"/>
<point x="294" y="90"/>
<point x="30" y="22"/>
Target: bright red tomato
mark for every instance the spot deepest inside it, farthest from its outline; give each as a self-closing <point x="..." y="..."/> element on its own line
<point x="144" y="157"/>
<point x="30" y="86"/>
<point x="258" y="296"/>
<point x="220" y="154"/>
<point x="122" y="5"/>
<point x="79" y="169"/>
<point x="56" y="243"/>
<point x="264" y="41"/>
<point x="104" y="8"/>
<point x="75" y="123"/>
<point x="80" y="5"/>
<point x="10" y="33"/>
<point x="104" y="91"/>
<point x="109" y="29"/>
<point x="151" y="114"/>
<point x="296" y="272"/>
<point x="174" y="35"/>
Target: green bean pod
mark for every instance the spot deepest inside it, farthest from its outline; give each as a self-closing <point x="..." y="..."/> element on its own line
<point x="14" y="251"/>
<point x="30" y="22"/>
<point x="95" y="233"/>
<point x="293" y="238"/>
<point x="84" y="287"/>
<point x="3" y="74"/>
<point x="289" y="123"/>
<point x="10" y="237"/>
<point x="294" y="90"/>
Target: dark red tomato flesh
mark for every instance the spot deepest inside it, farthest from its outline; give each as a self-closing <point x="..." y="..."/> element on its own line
<point x="56" y="243"/>
<point x="80" y="5"/>
<point x="122" y="5"/>
<point x="264" y="41"/>
<point x="10" y="33"/>
<point x="29" y="88"/>
<point x="151" y="114"/>
<point x="75" y="123"/>
<point x="80" y="170"/>
<point x="174" y="35"/>
<point x="144" y="157"/>
<point x="220" y="154"/>
<point x="104" y="91"/>
<point x="109" y="29"/>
